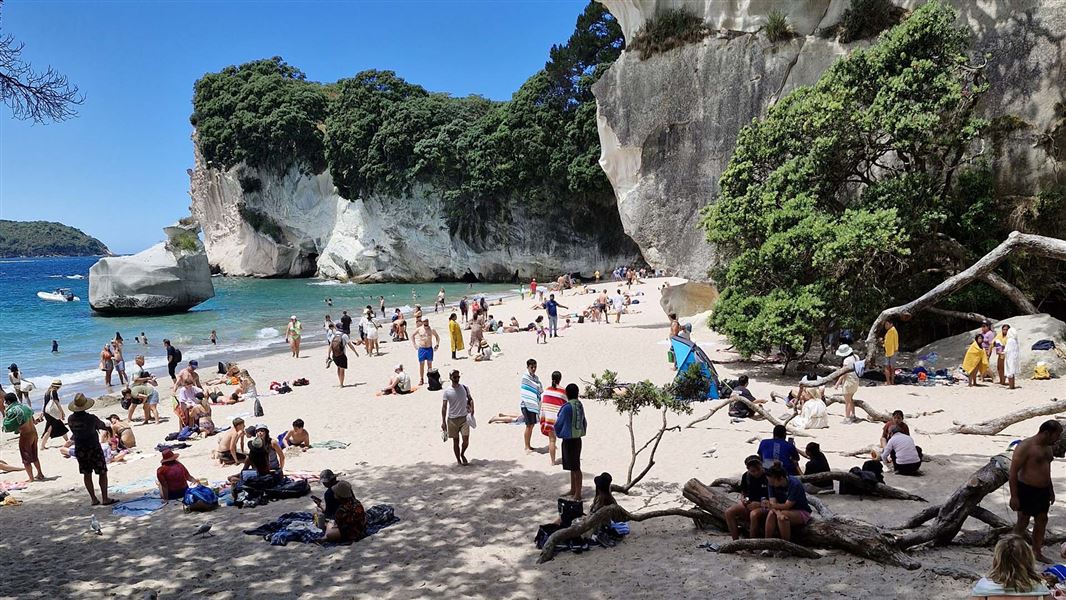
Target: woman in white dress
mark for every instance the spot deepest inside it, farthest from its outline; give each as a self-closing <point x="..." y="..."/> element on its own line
<point x="1012" y="354"/>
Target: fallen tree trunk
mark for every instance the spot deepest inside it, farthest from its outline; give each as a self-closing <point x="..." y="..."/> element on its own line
<point x="1038" y="245"/>
<point x="954" y="511"/>
<point x="770" y="418"/>
<point x="958" y="314"/>
<point x="854" y="536"/>
<point x="714" y="409"/>
<point x="773" y="545"/>
<point x="875" y="414"/>
<point x="881" y="490"/>
<point x="616" y="513"/>
<point x="994" y="426"/>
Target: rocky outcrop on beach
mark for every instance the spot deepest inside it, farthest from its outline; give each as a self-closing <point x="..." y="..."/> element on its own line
<point x="1029" y="329"/>
<point x="668" y="124"/>
<point x="688" y="299"/>
<point x="294" y="224"/>
<point x="171" y="276"/>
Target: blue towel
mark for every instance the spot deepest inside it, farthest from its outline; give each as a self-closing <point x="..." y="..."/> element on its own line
<point x="139" y="507"/>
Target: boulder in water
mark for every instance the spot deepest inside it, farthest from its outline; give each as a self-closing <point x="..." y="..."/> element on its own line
<point x="1029" y="328"/>
<point x="170" y="277"/>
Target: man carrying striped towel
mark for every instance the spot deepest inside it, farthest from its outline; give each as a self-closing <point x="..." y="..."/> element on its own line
<point x="530" y="392"/>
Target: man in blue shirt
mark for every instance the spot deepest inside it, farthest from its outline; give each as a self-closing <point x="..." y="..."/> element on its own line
<point x="781" y="450"/>
<point x="553" y="315"/>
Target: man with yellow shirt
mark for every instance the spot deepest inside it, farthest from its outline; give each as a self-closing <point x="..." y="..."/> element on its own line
<point x="891" y="348"/>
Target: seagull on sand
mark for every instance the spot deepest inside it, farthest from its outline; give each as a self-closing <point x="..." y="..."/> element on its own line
<point x="94" y="526"/>
<point x="203" y="530"/>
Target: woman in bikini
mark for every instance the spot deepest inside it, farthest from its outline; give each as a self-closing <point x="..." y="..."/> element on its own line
<point x="121" y="430"/>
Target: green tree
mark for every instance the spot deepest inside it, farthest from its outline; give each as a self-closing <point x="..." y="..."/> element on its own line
<point x="829" y="204"/>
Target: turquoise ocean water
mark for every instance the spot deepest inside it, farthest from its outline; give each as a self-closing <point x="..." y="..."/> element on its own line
<point x="247" y="314"/>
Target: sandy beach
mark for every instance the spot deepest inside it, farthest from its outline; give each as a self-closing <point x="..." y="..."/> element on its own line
<point x="468" y="531"/>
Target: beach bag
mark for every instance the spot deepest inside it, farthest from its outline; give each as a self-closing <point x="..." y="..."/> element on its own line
<point x="1040" y="371"/>
<point x="860" y="367"/>
<point x="866" y="484"/>
<point x="433" y="377"/>
<point x="543" y="533"/>
<point x="570" y="510"/>
<point x="200" y="498"/>
<point x="289" y="488"/>
<point x="258" y="409"/>
<point x="221" y="368"/>
<point x="125" y="404"/>
<point x="1044" y="345"/>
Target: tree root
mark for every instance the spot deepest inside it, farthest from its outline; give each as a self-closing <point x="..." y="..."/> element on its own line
<point x="773" y="545"/>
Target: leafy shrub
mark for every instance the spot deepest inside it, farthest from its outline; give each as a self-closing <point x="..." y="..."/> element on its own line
<point x="667" y="30"/>
<point x="186" y="242"/>
<point x="867" y="18"/>
<point x="261" y="222"/>
<point x="777" y="26"/>
<point x="249" y="183"/>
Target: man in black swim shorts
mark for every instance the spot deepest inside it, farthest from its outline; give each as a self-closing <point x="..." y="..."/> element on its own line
<point x="1031" y="491"/>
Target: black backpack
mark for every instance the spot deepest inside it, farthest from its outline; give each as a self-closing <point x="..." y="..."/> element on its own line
<point x="433" y="377"/>
<point x="177" y="354"/>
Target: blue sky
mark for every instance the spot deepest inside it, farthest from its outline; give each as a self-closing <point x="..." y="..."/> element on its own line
<point x="118" y="170"/>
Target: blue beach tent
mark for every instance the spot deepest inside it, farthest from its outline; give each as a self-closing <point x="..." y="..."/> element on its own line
<point x="686" y="353"/>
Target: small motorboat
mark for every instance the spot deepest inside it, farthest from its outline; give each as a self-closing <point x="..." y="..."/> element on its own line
<point x="59" y="295"/>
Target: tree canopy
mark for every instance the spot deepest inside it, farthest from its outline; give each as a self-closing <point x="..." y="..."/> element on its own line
<point x="46" y="238"/>
<point x="378" y="134"/>
<point x="833" y="205"/>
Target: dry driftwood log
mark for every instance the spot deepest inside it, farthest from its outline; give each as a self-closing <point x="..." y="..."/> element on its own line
<point x="852" y="535"/>
<point x="773" y="545"/>
<point x="873" y="413"/>
<point x="617" y="513"/>
<point x="994" y="426"/>
<point x="954" y="511"/>
<point x="714" y="408"/>
<point x="958" y="314"/>
<point x="1037" y="245"/>
<point x="881" y="490"/>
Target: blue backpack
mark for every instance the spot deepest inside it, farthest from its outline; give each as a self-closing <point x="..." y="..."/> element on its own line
<point x="200" y="494"/>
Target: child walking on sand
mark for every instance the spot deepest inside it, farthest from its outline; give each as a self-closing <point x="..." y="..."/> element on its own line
<point x="542" y="336"/>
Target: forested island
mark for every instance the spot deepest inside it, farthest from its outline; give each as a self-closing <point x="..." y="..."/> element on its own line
<point x="46" y="238"/>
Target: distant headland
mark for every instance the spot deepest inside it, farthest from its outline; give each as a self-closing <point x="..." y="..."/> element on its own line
<point x="46" y="238"/>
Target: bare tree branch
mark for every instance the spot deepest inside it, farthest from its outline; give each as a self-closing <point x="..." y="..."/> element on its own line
<point x="32" y="95"/>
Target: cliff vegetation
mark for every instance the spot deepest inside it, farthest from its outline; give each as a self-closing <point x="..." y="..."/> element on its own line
<point x="46" y="238"/>
<point x="376" y="133"/>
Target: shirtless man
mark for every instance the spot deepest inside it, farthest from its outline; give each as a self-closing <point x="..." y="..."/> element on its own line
<point x="601" y="305"/>
<point x="1031" y="491"/>
<point x="425" y="340"/>
<point x="188" y="377"/>
<point x="231" y="445"/>
<point x="120" y="362"/>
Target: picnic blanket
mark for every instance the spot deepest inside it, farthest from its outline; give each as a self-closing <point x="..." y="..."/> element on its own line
<point x="300" y="527"/>
<point x="139" y="507"/>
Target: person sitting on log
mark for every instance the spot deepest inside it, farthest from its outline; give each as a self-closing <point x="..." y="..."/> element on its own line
<point x="1012" y="573"/>
<point x="753" y="491"/>
<point x="901" y="453"/>
<point x="897" y="422"/>
<point x="738" y="409"/>
<point x="817" y="463"/>
<point x="788" y="507"/>
<point x="780" y="450"/>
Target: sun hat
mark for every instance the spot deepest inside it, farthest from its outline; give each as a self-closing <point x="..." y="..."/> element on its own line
<point x="80" y="403"/>
<point x="844" y="351"/>
<point x="57" y="383"/>
<point x="343" y="490"/>
<point x="292" y="318"/>
<point x="168" y="456"/>
<point x="327" y="477"/>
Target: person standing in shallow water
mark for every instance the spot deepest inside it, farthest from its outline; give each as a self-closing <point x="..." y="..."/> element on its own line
<point x="292" y="335"/>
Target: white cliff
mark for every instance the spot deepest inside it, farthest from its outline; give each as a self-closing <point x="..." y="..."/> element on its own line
<point x="310" y="229"/>
<point x="668" y="124"/>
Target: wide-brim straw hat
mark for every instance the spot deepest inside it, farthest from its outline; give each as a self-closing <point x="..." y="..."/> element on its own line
<point x="844" y="351"/>
<point x="168" y="456"/>
<point x="57" y="383"/>
<point x="80" y="403"/>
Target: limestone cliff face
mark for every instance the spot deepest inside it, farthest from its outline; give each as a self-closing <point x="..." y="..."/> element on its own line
<point x="295" y="224"/>
<point x="668" y="124"/>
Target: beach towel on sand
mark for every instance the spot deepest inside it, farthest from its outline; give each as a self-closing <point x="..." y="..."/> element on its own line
<point x="330" y="445"/>
<point x="139" y="507"/>
<point x="299" y="526"/>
